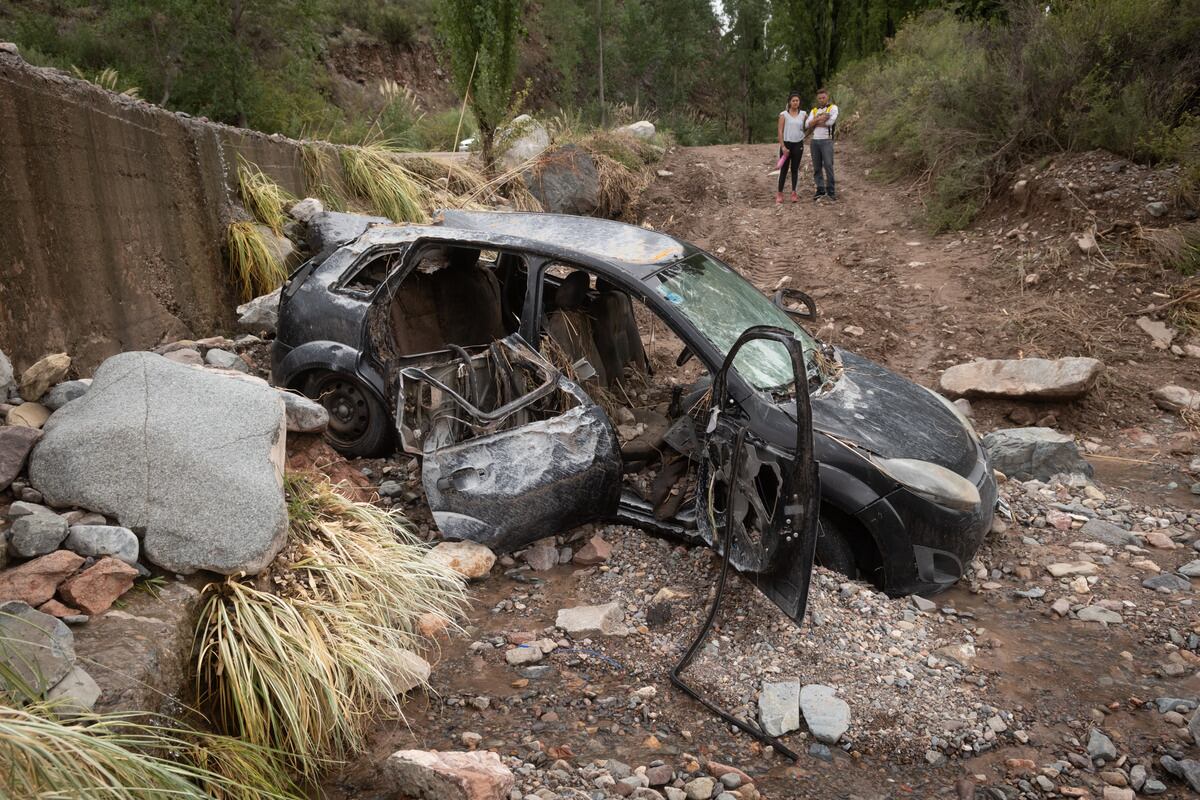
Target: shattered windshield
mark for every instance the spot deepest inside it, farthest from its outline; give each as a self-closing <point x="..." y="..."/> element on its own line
<point x="721" y="304"/>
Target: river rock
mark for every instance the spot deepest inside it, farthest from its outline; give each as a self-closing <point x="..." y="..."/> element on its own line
<point x="779" y="707"/>
<point x="409" y="672"/>
<point x="542" y="556"/>
<point x="8" y="383"/>
<point x="606" y="619"/>
<point x="1025" y="378"/>
<point x="565" y="181"/>
<point x="523" y="655"/>
<point x="1027" y="453"/>
<point x="1064" y="568"/>
<point x="261" y="314"/>
<point x="1159" y="332"/>
<point x="103" y="540"/>
<point x="1175" y="398"/>
<point x="596" y="551"/>
<point x="36" y="535"/>
<point x="223" y="359"/>
<point x="1167" y="582"/>
<point x="34" y="582"/>
<point x="455" y="775"/>
<point x="1191" y="569"/>
<point x="1100" y="746"/>
<point x="50" y="370"/>
<point x="524" y="138"/>
<point x="28" y="415"/>
<point x="37" y="648"/>
<point x="700" y="788"/>
<point x="303" y="414"/>
<point x="1108" y="533"/>
<point x="304" y="210"/>
<point x="192" y="459"/>
<point x="1100" y="614"/>
<point x="469" y="559"/>
<point x="827" y="715"/>
<point x="1186" y="770"/>
<point x="95" y="589"/>
<point x="15" y="443"/>
<point x="65" y="392"/>
<point x="75" y="694"/>
<point x="642" y="129"/>
<point x="1194" y="728"/>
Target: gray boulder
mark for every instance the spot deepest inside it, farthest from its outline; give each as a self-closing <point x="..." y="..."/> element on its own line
<point x="643" y="129"/>
<point x="260" y="314"/>
<point x="75" y="694"/>
<point x="65" y="392"/>
<point x="223" y="359"/>
<point x="15" y="443"/>
<point x="193" y="459"/>
<point x="523" y="138"/>
<point x="827" y="715"/>
<point x="1028" y="453"/>
<point x="1167" y="582"/>
<point x="36" y="649"/>
<point x="329" y="230"/>
<point x="565" y="181"/>
<point x="1100" y="746"/>
<point x="36" y="535"/>
<point x="103" y="540"/>
<point x="1175" y="398"/>
<point x="1108" y="533"/>
<point x="779" y="707"/>
<point x="1024" y="378"/>
<point x="303" y="414"/>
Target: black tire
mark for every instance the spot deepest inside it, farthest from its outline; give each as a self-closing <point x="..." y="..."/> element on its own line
<point x="359" y="426"/>
<point x="834" y="549"/>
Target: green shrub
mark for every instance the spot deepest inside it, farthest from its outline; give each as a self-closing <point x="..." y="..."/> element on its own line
<point x="437" y="131"/>
<point x="395" y="26"/>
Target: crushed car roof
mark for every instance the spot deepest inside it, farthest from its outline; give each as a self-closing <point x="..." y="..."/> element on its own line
<point x="606" y="240"/>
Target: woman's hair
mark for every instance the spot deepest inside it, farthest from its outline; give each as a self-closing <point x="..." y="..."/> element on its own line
<point x="790" y="96"/>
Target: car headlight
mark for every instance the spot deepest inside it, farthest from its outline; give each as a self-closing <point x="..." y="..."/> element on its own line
<point x="956" y="411"/>
<point x="931" y="481"/>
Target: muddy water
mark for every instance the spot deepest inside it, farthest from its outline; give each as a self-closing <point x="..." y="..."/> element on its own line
<point x="1145" y="481"/>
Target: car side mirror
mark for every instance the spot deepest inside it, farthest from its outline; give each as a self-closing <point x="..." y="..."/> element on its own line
<point x="784" y="296"/>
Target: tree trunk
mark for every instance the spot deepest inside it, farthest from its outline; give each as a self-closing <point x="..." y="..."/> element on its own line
<point x="600" y="60"/>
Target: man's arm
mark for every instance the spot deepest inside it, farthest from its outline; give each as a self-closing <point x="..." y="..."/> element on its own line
<point x="831" y="117"/>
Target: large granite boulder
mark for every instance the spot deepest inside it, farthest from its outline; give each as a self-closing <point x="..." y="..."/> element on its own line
<point x="1024" y="378"/>
<point x="522" y="139"/>
<point x="565" y="181"/>
<point x="1028" y="453"/>
<point x="189" y="459"/>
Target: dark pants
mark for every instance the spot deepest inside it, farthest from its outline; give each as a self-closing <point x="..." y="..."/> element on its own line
<point x="822" y="159"/>
<point x="795" y="151"/>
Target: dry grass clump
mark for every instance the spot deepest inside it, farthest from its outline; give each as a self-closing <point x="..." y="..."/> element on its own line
<point x="255" y="267"/>
<point x="1176" y="247"/>
<point x="304" y="661"/>
<point x="618" y="185"/>
<point x="264" y="198"/>
<point x="126" y="757"/>
<point x="321" y="176"/>
<point x="374" y="173"/>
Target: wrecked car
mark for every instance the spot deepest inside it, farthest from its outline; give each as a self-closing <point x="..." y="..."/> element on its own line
<point x="552" y="371"/>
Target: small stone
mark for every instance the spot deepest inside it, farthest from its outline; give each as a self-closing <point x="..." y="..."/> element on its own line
<point x="542" y="556"/>
<point x="1100" y="746"/>
<point x="95" y="589"/>
<point x="35" y="582"/>
<point x="36" y="535"/>
<point x="596" y="551"/>
<point x="1157" y="209"/>
<point x="409" y="672"/>
<point x="75" y="694"/>
<point x="826" y="715"/>
<point x="1159" y="540"/>
<point x="699" y="788"/>
<point x="430" y="775"/>
<point x="36" y="380"/>
<point x="1099" y="614"/>
<point x="853" y="330"/>
<point x="223" y="359"/>
<point x="28" y="415"/>
<point x="1063" y="569"/>
<point x="64" y="393"/>
<point x="15" y="444"/>
<point x="469" y="559"/>
<point x="1168" y="582"/>
<point x="470" y="739"/>
<point x="605" y="619"/>
<point x="57" y="609"/>
<point x="525" y="654"/>
<point x="103" y="540"/>
<point x="303" y="414"/>
<point x="1117" y="793"/>
<point x="779" y="707"/>
<point x="186" y="356"/>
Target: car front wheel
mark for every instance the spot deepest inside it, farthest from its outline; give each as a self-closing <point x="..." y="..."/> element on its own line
<point x="834" y="549"/>
<point x="358" y="423"/>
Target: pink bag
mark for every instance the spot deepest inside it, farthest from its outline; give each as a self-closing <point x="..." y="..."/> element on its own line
<point x="782" y="159"/>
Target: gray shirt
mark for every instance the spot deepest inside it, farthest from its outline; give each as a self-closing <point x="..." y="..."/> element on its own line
<point x="793" y="127"/>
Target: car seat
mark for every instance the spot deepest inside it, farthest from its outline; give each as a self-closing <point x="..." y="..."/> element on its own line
<point x="571" y="326"/>
<point x="617" y="336"/>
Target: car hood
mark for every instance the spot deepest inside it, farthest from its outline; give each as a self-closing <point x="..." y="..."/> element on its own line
<point x="891" y="416"/>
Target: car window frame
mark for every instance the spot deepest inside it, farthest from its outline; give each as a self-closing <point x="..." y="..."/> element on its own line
<point x="339" y="285"/>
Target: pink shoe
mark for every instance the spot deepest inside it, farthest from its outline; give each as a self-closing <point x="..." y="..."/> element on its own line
<point x="779" y="198"/>
<point x="795" y="199"/>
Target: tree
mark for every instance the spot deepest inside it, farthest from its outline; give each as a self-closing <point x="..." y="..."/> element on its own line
<point x="480" y="37"/>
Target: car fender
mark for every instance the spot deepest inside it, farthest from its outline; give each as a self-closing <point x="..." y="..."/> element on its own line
<point x="331" y="356"/>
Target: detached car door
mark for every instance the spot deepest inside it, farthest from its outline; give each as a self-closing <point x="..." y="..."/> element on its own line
<point x="512" y="451"/>
<point x="757" y="501"/>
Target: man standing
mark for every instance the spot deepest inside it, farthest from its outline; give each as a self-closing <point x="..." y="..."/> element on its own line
<point x="821" y="122"/>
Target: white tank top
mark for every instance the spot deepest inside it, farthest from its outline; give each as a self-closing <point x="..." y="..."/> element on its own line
<point x="793" y="127"/>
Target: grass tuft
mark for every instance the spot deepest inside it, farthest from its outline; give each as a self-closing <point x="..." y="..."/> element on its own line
<point x="303" y="662"/>
<point x="321" y="176"/>
<point x="374" y="173"/>
<point x="126" y="757"/>
<point x="255" y="267"/>
<point x="265" y="199"/>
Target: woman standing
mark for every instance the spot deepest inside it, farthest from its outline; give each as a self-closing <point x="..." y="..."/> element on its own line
<point x="792" y="123"/>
